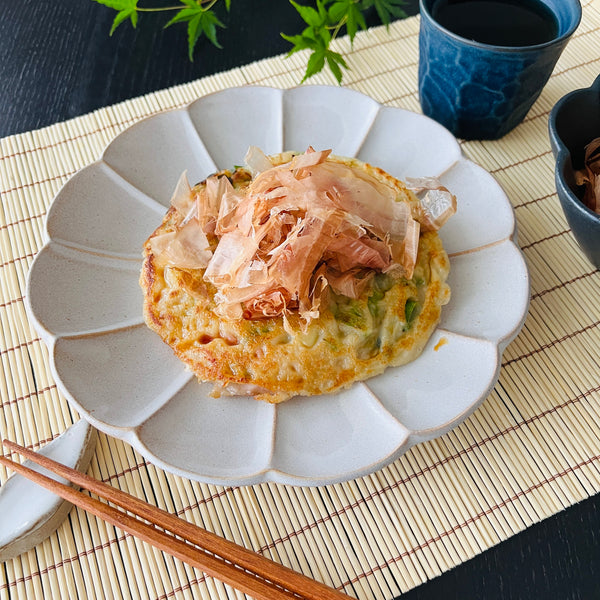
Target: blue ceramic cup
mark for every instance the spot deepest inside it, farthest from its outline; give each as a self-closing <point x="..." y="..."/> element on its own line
<point x="483" y="91"/>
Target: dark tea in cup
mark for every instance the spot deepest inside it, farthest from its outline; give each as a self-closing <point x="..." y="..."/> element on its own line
<point x="498" y="22"/>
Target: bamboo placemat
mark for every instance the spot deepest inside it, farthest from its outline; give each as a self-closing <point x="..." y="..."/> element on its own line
<point x="531" y="450"/>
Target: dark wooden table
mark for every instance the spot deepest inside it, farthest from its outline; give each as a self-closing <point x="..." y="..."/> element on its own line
<point x="57" y="62"/>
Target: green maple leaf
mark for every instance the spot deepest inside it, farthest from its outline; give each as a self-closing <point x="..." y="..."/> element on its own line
<point x="324" y="20"/>
<point x="349" y="12"/>
<point x="126" y="9"/>
<point x="299" y="42"/>
<point x="317" y="37"/>
<point x="386" y="9"/>
<point x="335" y="60"/>
<point x="321" y="54"/>
<point x="315" y="18"/>
<point x="199" y="21"/>
<point x="316" y="62"/>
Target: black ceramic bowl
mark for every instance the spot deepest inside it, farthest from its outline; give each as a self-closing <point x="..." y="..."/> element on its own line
<point x="574" y="122"/>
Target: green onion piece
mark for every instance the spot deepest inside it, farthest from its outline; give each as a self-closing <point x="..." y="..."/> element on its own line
<point x="349" y="312"/>
<point x="411" y="311"/>
<point x="373" y="302"/>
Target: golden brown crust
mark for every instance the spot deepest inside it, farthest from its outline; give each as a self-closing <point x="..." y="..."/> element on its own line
<point x="388" y="325"/>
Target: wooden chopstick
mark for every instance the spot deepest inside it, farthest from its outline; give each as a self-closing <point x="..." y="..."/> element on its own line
<point x="235" y="565"/>
<point x="211" y="565"/>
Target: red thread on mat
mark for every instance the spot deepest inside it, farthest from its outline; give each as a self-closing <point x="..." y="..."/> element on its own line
<point x="502" y="168"/>
<point x="17" y="259"/>
<point x="545" y="239"/>
<point x="22" y="345"/>
<point x="470" y="521"/>
<point x="23" y="220"/>
<point x="27" y="397"/>
<point x="116" y="125"/>
<point x="40" y="182"/>
<point x="534" y="200"/>
<point x="432" y="467"/>
<point x="563" y="284"/>
<point x="74" y="138"/>
<point x="13" y="301"/>
<point x="365" y="574"/>
<point x="552" y="343"/>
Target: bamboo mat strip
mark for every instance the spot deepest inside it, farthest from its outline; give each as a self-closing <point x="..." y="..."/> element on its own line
<point x="531" y="450"/>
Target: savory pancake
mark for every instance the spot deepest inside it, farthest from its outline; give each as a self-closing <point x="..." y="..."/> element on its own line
<point x="298" y="274"/>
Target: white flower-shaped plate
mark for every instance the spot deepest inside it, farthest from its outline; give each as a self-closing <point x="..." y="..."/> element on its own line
<point x="84" y="298"/>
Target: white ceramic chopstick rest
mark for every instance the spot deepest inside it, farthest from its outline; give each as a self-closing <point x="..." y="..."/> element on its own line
<point x="29" y="513"/>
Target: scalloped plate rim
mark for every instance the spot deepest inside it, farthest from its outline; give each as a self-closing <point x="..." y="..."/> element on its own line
<point x="269" y="473"/>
